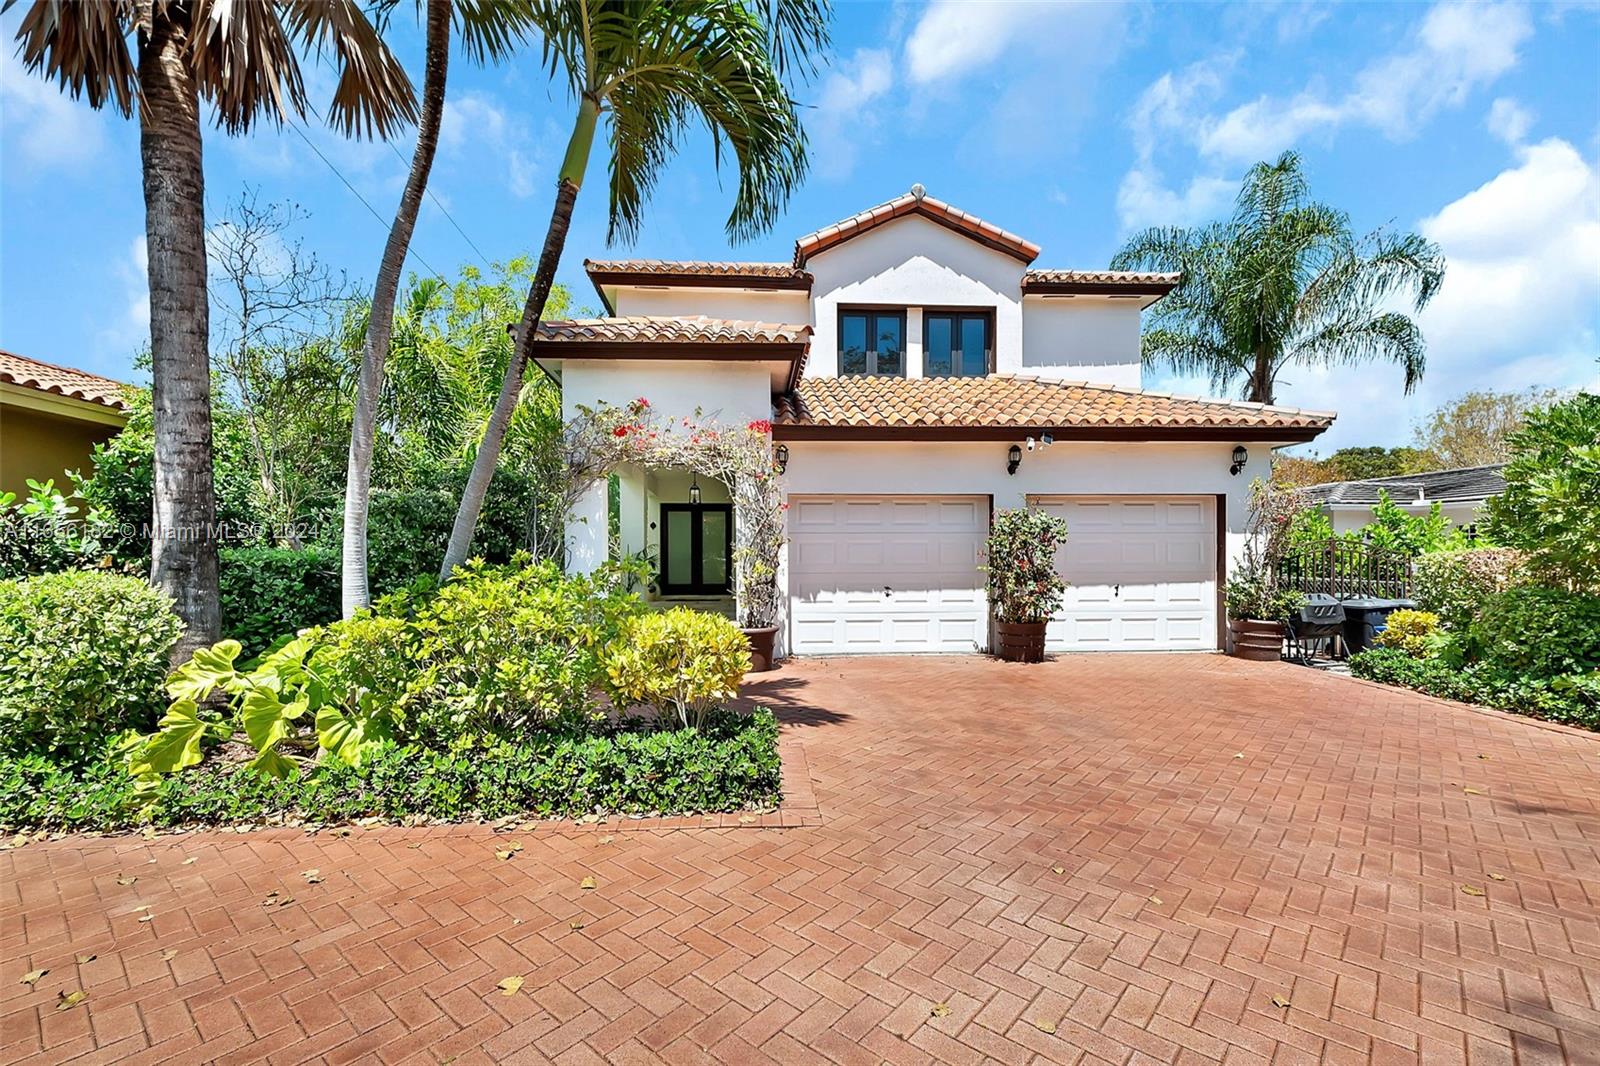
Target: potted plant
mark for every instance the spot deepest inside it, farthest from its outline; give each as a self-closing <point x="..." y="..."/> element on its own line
<point x="1257" y="610"/>
<point x="1025" y="587"/>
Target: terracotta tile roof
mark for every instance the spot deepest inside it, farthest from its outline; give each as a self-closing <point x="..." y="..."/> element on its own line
<point x="61" y="380"/>
<point x="1089" y="281"/>
<point x="698" y="268"/>
<point x="1014" y="402"/>
<point x="654" y="329"/>
<point x="912" y="203"/>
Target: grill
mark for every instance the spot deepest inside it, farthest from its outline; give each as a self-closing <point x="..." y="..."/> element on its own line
<point x="1319" y="622"/>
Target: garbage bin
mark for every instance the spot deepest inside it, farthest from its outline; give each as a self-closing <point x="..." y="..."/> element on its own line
<point x="1365" y="617"/>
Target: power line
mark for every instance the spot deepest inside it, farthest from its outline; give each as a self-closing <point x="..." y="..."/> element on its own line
<point x="428" y="188"/>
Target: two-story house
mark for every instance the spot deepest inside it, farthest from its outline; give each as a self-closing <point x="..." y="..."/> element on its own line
<point x="920" y="374"/>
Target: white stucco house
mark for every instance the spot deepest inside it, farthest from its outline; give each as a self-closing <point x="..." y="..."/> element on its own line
<point x="1460" y="492"/>
<point x="920" y="374"/>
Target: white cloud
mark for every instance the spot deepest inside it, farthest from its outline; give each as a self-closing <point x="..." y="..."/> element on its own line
<point x="1166" y="109"/>
<point x="953" y="37"/>
<point x="128" y="331"/>
<point x="844" y="115"/>
<point x="1509" y="121"/>
<point x="1520" y="305"/>
<point x="1144" y="200"/>
<point x="473" y="121"/>
<point x="48" y="127"/>
<point x="1458" y="48"/>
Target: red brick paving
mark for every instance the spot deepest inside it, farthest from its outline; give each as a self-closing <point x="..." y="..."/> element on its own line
<point x="1227" y="833"/>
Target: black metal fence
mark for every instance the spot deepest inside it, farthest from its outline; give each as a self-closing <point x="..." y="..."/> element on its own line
<point x="1345" y="569"/>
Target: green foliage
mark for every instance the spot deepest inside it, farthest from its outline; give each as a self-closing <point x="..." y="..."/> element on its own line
<point x="1024" y="583"/>
<point x="1539" y="631"/>
<point x="1254" y="595"/>
<point x="43" y="533"/>
<point x="268" y="592"/>
<point x="1475" y="428"/>
<point x="682" y="662"/>
<point x="82" y="655"/>
<point x="1573" y="699"/>
<point x="1284" y="282"/>
<point x="1551" y="506"/>
<point x="1409" y="631"/>
<point x="730" y="763"/>
<point x="500" y="650"/>
<point x="1456" y="584"/>
<point x="1394" y="529"/>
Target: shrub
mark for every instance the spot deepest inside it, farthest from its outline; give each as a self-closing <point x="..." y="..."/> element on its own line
<point x="1024" y="582"/>
<point x="1551" y="505"/>
<point x="1409" y="631"/>
<point x="1254" y="595"/>
<point x="681" y="662"/>
<point x="729" y="764"/>
<point x="1456" y="584"/>
<point x="1573" y="699"/>
<point x="268" y="593"/>
<point x="1539" y="632"/>
<point x="82" y="656"/>
<point x="503" y="649"/>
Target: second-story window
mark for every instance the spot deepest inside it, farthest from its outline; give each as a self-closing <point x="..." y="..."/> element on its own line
<point x="957" y="344"/>
<point x="872" y="342"/>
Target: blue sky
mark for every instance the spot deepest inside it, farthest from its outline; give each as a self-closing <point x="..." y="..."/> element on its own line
<point x="1072" y="125"/>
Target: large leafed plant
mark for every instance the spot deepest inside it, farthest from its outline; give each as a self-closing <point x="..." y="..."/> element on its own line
<point x="1024" y="583"/>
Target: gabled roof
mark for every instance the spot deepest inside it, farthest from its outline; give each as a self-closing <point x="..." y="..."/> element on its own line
<point x="65" y="381"/>
<point x="693" y="274"/>
<point x="782" y="347"/>
<point x="1099" y="282"/>
<point x="1466" y="483"/>
<point x="915" y="202"/>
<point x="1005" y="406"/>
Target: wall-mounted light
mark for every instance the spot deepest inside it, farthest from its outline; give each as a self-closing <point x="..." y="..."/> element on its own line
<point x="1014" y="457"/>
<point x="1240" y="457"/>
<point x="781" y="455"/>
<point x="694" y="489"/>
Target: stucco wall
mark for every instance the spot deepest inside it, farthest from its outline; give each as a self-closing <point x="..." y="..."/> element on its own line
<point x="1081" y="338"/>
<point x="778" y="306"/>
<point x="42" y="446"/>
<point x="1346" y="519"/>
<point x="729" y="392"/>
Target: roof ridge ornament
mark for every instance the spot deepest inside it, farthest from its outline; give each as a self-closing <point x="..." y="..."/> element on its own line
<point x="918" y="190"/>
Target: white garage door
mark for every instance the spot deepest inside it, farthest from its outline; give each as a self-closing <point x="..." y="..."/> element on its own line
<point x="871" y="574"/>
<point x="1143" y="573"/>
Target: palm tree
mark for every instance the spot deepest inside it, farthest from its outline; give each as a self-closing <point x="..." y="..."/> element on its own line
<point x="1284" y="281"/>
<point x="490" y="29"/>
<point x="164" y="56"/>
<point x="659" y="67"/>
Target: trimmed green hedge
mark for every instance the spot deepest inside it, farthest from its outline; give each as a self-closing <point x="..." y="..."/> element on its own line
<point x="730" y="764"/>
<point x="1572" y="699"/>
<point x="268" y="593"/>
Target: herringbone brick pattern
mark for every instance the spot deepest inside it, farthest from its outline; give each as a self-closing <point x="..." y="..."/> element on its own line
<point x="1108" y="859"/>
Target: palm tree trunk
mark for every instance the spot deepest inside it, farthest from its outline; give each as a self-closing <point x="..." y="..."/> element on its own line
<point x="356" y="592"/>
<point x="1261" y="385"/>
<point x="183" y="551"/>
<point x="569" y="182"/>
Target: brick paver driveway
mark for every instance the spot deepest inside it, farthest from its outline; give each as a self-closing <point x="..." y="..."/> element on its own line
<point x="1102" y="859"/>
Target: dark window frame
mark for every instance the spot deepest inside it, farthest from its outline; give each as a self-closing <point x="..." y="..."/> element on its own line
<point x="956" y="315"/>
<point x="697" y="586"/>
<point x="872" y="314"/>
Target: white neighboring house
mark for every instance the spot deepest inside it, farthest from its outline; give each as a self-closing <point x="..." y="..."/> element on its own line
<point x="900" y="356"/>
<point x="1460" y="493"/>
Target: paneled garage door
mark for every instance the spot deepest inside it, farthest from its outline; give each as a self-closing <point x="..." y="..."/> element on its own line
<point x="871" y="574"/>
<point x="1143" y="573"/>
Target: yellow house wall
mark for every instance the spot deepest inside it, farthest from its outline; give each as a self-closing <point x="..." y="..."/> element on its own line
<point x="41" y="446"/>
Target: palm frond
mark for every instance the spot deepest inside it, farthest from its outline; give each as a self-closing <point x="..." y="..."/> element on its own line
<point x="1390" y="337"/>
<point x="83" y="47"/>
<point x="492" y="30"/>
<point x="374" y="96"/>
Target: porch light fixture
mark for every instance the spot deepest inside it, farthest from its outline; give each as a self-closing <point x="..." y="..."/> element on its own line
<point x="1014" y="458"/>
<point x="694" y="489"/>
<point x="781" y="455"/>
<point x="1240" y="457"/>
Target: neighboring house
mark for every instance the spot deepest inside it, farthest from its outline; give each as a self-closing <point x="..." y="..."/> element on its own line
<point x="1460" y="494"/>
<point x="900" y="356"/>
<point x="51" y="417"/>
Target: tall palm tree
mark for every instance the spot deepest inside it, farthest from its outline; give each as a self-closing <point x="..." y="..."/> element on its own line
<point x="658" y="68"/>
<point x="490" y="30"/>
<point x="161" y="57"/>
<point x="1284" y="281"/>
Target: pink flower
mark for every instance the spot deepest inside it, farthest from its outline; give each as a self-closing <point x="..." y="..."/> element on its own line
<point x="642" y="403"/>
<point x="760" y="425"/>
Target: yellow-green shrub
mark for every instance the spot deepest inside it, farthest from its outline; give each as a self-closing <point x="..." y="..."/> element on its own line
<point x="1408" y="631"/>
<point x="681" y="662"/>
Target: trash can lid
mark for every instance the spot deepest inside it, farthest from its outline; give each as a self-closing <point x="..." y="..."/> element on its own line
<point x="1376" y="603"/>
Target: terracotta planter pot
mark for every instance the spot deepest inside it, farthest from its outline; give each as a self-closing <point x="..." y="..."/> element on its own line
<point x="1019" y="642"/>
<point x="760" y="639"/>
<point x="1256" y="640"/>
